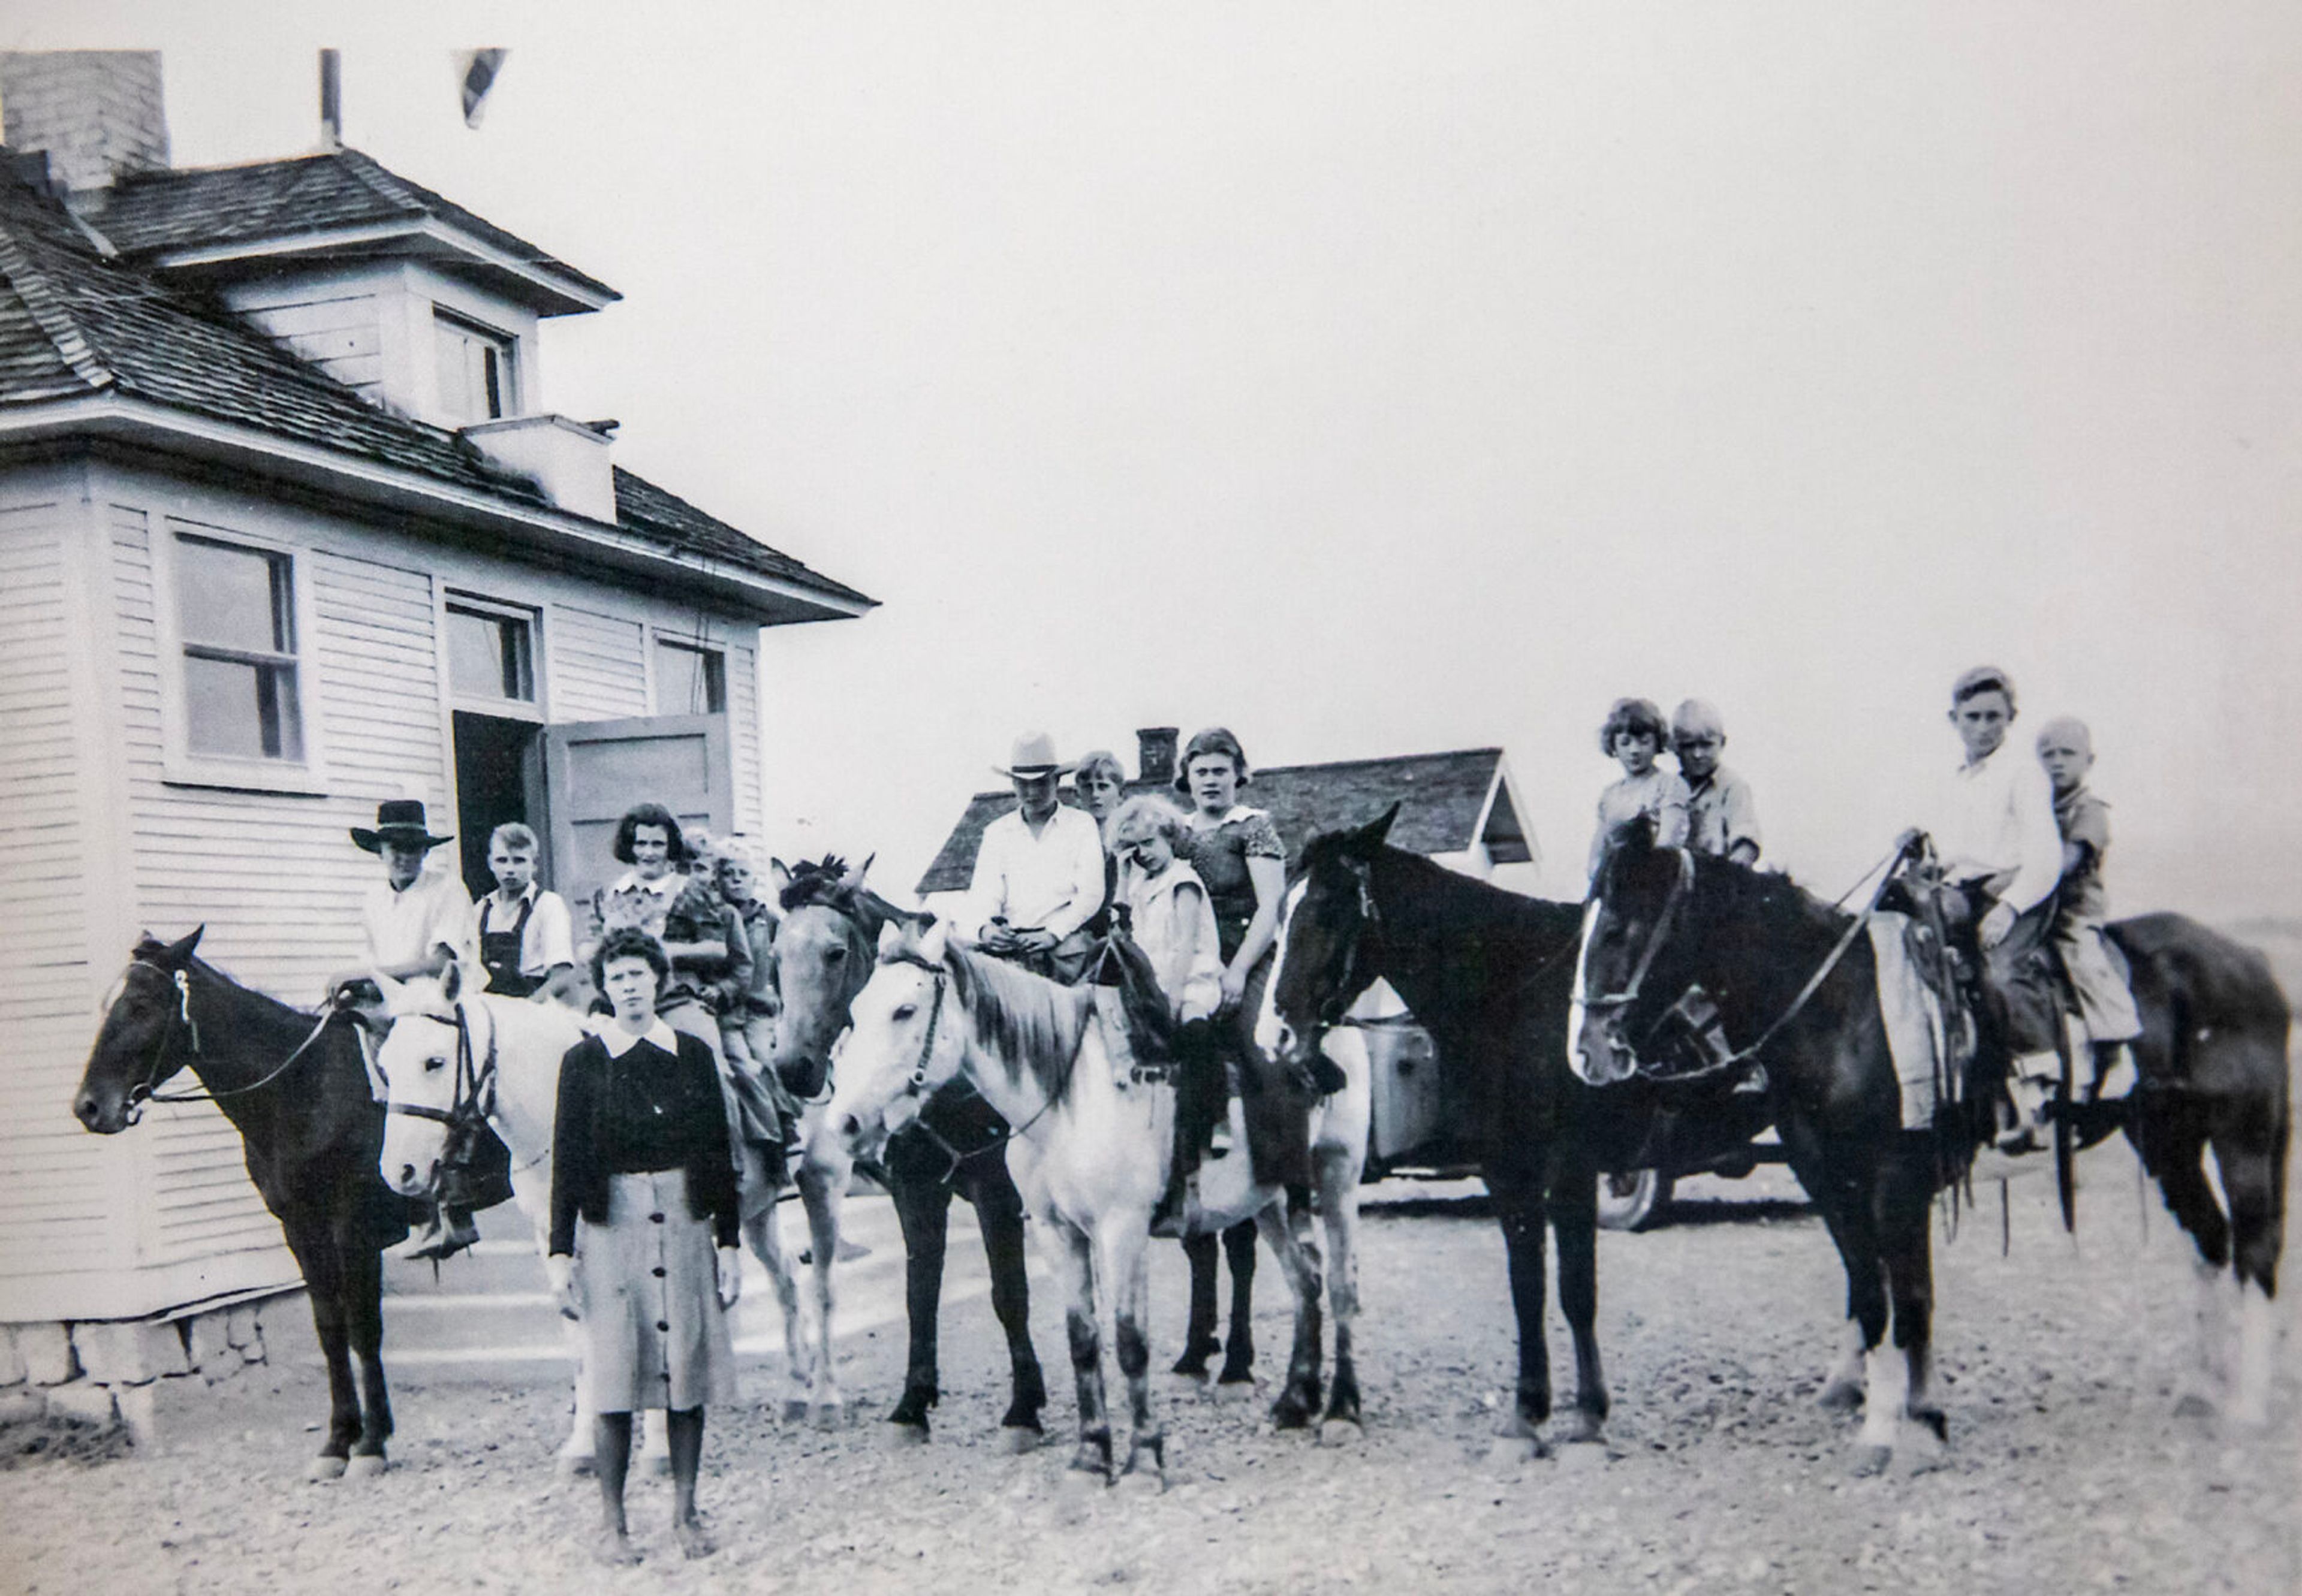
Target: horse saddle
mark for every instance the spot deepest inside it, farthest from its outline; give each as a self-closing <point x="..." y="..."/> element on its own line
<point x="1138" y="1027"/>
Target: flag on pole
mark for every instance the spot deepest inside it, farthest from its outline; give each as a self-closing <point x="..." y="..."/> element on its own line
<point x="478" y="69"/>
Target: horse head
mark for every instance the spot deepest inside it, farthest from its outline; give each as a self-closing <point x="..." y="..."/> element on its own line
<point x="146" y="1034"/>
<point x="906" y="1040"/>
<point x="823" y="955"/>
<point x="1326" y="944"/>
<point x="426" y="1063"/>
<point x="1633" y="962"/>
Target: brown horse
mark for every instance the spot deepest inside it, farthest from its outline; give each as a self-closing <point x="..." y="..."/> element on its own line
<point x="297" y="1089"/>
<point x="1795" y="986"/>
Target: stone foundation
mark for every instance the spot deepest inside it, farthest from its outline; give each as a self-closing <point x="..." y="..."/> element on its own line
<point x="100" y="1370"/>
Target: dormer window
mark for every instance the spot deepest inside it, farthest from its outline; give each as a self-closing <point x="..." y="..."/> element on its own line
<point x="478" y="374"/>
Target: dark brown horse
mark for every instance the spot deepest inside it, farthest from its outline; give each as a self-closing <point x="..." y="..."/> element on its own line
<point x="1488" y="973"/>
<point x="297" y="1089"/>
<point x="824" y="953"/>
<point x="1795" y="984"/>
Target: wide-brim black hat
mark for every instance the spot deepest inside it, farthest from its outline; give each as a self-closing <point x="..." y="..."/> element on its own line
<point x="399" y="820"/>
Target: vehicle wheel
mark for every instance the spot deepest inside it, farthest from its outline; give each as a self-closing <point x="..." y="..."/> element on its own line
<point x="1633" y="1200"/>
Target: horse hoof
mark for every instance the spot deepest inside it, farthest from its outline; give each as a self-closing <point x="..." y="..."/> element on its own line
<point x="365" y="1466"/>
<point x="2193" y="1406"/>
<point x="572" y="1465"/>
<point x="902" y="1437"/>
<point x="326" y="1469"/>
<point x="1016" y="1440"/>
<point x="1871" y="1460"/>
<point x="1509" y="1451"/>
<point x="828" y="1416"/>
<point x="1936" y="1422"/>
<point x="1841" y="1396"/>
<point x="1143" y="1481"/>
<point x="1577" y="1428"/>
<point x="1341" y="1433"/>
<point x="1234" y="1391"/>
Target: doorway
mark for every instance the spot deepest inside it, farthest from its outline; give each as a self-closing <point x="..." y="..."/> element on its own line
<point x="499" y="780"/>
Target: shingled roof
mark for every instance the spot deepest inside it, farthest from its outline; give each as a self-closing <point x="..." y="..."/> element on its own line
<point x="152" y="214"/>
<point x="76" y="324"/>
<point x="1441" y="798"/>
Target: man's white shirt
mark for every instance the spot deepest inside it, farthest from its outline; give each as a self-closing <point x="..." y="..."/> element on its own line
<point x="1050" y="882"/>
<point x="404" y="927"/>
<point x="1998" y="816"/>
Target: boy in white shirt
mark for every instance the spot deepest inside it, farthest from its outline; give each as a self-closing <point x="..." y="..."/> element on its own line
<point x="1994" y="830"/>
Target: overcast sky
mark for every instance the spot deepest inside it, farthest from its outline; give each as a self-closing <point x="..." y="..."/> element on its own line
<point x="1380" y="380"/>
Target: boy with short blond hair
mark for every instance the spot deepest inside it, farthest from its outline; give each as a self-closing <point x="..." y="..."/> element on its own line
<point x="2082" y="907"/>
<point x="525" y="936"/>
<point x="1722" y="818"/>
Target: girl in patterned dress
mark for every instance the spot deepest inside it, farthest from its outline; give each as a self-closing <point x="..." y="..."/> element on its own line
<point x="1636" y="734"/>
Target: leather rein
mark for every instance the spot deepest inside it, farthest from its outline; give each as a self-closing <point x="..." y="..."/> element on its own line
<point x="147" y="1090"/>
<point x="474" y="1087"/>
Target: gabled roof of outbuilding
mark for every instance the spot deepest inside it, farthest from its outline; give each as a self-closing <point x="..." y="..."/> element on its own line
<point x="152" y="214"/>
<point x="75" y="323"/>
<point x="1441" y="797"/>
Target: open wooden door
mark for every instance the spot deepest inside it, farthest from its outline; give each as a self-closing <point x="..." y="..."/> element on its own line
<point x="595" y="770"/>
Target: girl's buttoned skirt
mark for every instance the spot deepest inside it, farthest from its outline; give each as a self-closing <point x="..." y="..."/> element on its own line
<point x="648" y="1289"/>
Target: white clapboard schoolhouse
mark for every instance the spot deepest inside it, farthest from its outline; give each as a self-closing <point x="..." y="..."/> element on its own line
<point x="285" y="531"/>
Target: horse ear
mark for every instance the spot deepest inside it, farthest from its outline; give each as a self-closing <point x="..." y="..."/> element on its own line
<point x="891" y="937"/>
<point x="853" y="881"/>
<point x="933" y="941"/>
<point x="779" y="876"/>
<point x="178" y="954"/>
<point x="394" y="992"/>
<point x="1372" y="834"/>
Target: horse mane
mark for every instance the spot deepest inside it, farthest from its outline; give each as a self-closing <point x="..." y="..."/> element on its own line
<point x="274" y="1010"/>
<point x="817" y="883"/>
<point x="1024" y="1018"/>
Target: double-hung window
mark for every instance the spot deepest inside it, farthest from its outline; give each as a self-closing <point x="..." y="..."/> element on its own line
<point x="236" y="622"/>
<point x="478" y="374"/>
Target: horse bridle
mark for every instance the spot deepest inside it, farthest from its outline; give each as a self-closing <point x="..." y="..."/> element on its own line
<point x="1674" y="903"/>
<point x="147" y="1090"/>
<point x="473" y="1085"/>
<point x="1333" y="1008"/>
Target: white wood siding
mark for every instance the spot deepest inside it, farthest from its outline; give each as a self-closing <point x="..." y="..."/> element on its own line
<point x="274" y="878"/>
<point x="599" y="668"/>
<point x="340" y="333"/>
<point x="744" y="736"/>
<point x="53" y="1191"/>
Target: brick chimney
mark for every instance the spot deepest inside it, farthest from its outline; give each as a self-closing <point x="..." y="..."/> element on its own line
<point x="98" y="114"/>
<point x="1155" y="753"/>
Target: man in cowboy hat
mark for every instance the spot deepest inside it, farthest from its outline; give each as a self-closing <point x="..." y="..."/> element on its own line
<point x="417" y="921"/>
<point x="1038" y="872"/>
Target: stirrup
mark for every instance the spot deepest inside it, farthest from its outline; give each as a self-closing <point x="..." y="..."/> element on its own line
<point x="1754" y="1082"/>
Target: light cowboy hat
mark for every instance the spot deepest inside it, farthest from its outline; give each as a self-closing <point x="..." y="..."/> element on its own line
<point x="399" y="820"/>
<point x="1034" y="755"/>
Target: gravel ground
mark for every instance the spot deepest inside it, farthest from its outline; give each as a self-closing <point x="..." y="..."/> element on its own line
<point x="2060" y="1364"/>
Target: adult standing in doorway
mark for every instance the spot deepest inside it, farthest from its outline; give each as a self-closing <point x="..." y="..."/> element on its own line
<point x="1039" y="870"/>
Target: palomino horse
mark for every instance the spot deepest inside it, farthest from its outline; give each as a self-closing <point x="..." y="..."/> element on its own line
<point x="453" y="1057"/>
<point x="823" y="954"/>
<point x="1795" y="984"/>
<point x="1488" y="973"/>
<point x="296" y="1090"/>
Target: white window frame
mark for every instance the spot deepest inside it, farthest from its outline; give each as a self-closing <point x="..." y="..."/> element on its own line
<point x="507" y="344"/>
<point x="507" y="709"/>
<point x="181" y="764"/>
<point x="658" y="639"/>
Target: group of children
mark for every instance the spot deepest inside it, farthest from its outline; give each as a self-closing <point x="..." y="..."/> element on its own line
<point x="701" y="899"/>
<point x="2021" y="842"/>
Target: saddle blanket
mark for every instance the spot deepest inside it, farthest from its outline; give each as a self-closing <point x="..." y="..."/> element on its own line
<point x="1913" y="1017"/>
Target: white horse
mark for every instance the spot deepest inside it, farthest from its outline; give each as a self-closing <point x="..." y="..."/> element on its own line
<point x="452" y="1053"/>
<point x="1089" y="1149"/>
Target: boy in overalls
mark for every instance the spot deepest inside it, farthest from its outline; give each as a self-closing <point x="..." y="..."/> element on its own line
<point x="525" y="936"/>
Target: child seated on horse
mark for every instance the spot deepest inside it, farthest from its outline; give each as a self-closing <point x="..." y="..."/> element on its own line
<point x="1722" y="819"/>
<point x="2081" y="906"/>
<point x="1635" y="734"/>
<point x="1993" y="832"/>
<point x="746" y="994"/>
<point x="1170" y="918"/>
